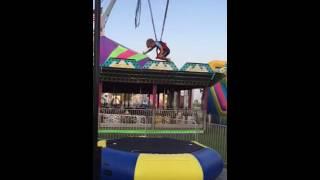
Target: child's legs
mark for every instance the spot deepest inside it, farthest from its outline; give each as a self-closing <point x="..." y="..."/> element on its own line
<point x="166" y="53"/>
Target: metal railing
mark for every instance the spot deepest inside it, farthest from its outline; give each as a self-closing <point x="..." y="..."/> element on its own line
<point x="149" y="118"/>
<point x="215" y="137"/>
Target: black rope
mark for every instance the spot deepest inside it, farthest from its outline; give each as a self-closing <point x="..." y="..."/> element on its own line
<point x="164" y="20"/>
<point x="138" y="14"/>
<point x="154" y="29"/>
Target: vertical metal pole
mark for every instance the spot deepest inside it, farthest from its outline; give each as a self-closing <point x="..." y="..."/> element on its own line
<point x="190" y="99"/>
<point x="154" y="95"/>
<point x="155" y="102"/>
<point x="122" y="101"/>
<point x="185" y="100"/>
<point x="163" y="99"/>
<point x="96" y="71"/>
<point x="178" y="98"/>
<point x="158" y="100"/>
<point x="100" y="95"/>
<point x="205" y="100"/>
<point x="205" y="105"/>
<point x="170" y="99"/>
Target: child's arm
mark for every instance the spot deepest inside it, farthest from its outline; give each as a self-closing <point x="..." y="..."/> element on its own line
<point x="148" y="50"/>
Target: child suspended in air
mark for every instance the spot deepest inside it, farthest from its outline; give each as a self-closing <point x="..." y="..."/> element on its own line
<point x="162" y="49"/>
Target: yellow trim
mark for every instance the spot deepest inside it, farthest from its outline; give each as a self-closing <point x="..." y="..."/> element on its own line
<point x="102" y="143"/>
<point x="217" y="64"/>
<point x="168" y="167"/>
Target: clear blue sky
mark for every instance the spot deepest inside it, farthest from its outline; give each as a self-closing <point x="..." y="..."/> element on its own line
<point x="195" y="31"/>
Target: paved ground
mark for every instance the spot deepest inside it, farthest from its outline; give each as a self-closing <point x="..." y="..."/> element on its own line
<point x="223" y="175"/>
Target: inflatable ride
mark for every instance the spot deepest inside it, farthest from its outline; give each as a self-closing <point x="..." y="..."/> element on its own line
<point x="217" y="99"/>
<point x="139" y="158"/>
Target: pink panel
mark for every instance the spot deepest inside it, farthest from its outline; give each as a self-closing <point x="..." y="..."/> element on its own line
<point x="126" y="54"/>
<point x="221" y="97"/>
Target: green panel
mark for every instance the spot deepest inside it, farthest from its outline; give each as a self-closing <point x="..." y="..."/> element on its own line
<point x="148" y="131"/>
<point x="115" y="53"/>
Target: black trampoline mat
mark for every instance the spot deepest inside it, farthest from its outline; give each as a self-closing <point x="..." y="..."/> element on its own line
<point x="153" y="145"/>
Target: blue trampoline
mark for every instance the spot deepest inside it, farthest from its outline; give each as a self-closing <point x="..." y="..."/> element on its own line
<point x="158" y="159"/>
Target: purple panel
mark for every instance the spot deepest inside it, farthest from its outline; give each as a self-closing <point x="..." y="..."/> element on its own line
<point x="143" y="62"/>
<point x="106" y="47"/>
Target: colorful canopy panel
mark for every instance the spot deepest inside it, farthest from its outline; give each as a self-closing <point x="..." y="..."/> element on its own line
<point x="113" y="54"/>
<point x="160" y="65"/>
<point x="121" y="63"/>
<point x="112" y="50"/>
<point x="196" y="67"/>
